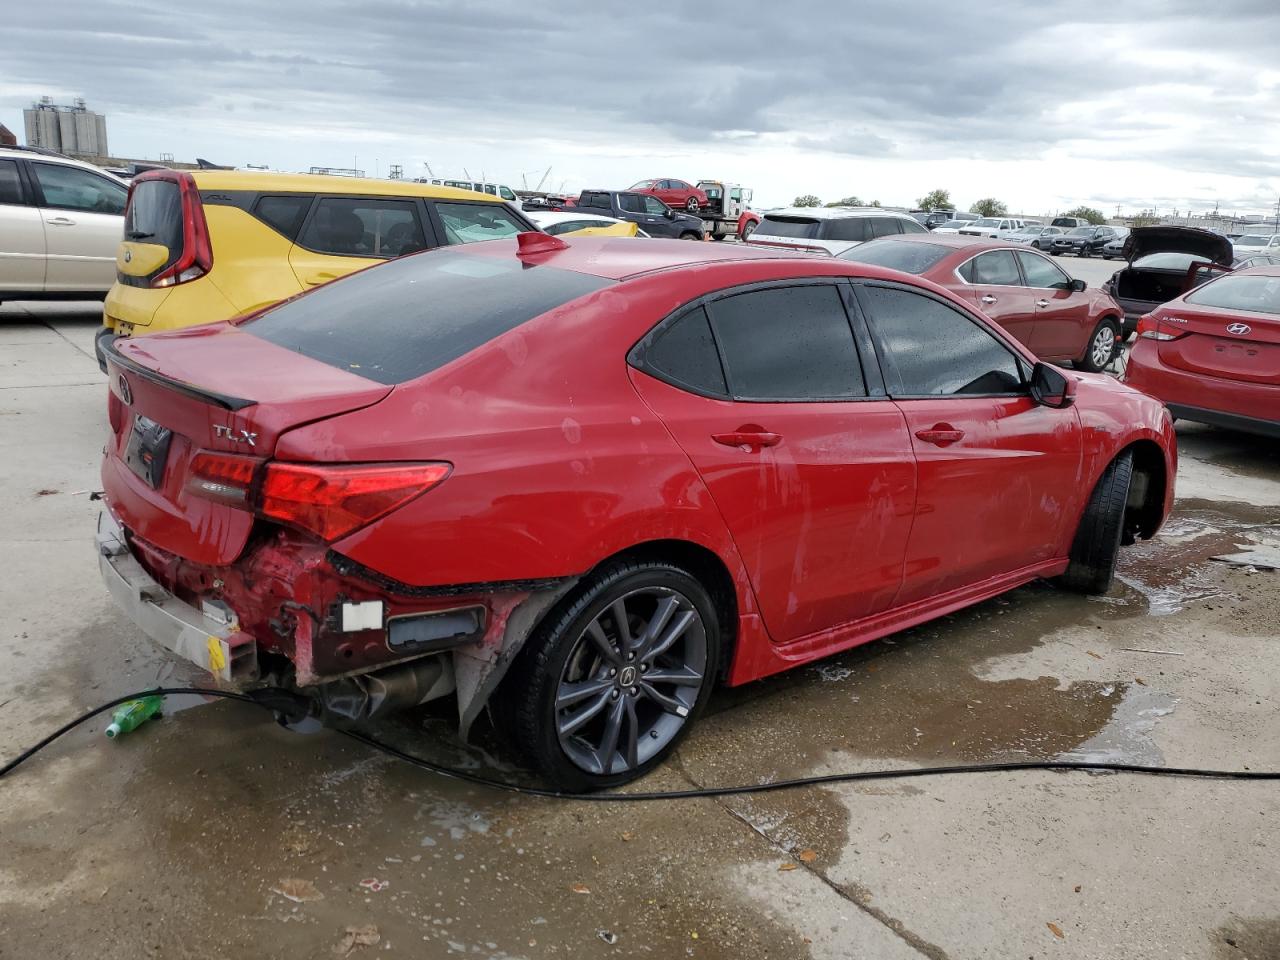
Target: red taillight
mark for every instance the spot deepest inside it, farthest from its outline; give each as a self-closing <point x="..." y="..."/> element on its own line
<point x="1149" y="329"/>
<point x="330" y="501"/>
<point x="196" y="258"/>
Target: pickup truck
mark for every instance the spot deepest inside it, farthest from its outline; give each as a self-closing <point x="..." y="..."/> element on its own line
<point x="649" y="213"/>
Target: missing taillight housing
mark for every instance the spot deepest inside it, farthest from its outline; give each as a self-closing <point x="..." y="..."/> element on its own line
<point x="1149" y="329"/>
<point x="196" y="258"/>
<point x="328" y="500"/>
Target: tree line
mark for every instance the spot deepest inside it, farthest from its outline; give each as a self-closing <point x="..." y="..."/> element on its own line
<point x="941" y="200"/>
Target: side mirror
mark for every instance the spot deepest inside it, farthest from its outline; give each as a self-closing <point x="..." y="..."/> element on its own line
<point x="669" y="214"/>
<point x="1078" y="286"/>
<point x="1050" y="387"/>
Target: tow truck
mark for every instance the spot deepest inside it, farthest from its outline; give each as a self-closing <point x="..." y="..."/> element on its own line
<point x="727" y="212"/>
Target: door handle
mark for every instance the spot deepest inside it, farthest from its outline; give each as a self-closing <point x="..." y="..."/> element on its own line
<point x="941" y="434"/>
<point x="1042" y="303"/>
<point x="61" y="222"/>
<point x="748" y="436"/>
<point x="989" y="299"/>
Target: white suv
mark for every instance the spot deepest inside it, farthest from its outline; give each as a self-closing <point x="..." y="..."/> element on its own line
<point x="830" y="230"/>
<point x="996" y="228"/>
<point x="60" y="225"/>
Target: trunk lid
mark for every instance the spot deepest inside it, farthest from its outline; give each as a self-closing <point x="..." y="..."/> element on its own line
<point x="1172" y="239"/>
<point x="207" y="388"/>
<point x="1239" y="346"/>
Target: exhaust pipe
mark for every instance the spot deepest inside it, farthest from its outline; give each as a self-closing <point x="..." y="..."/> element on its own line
<point x="371" y="696"/>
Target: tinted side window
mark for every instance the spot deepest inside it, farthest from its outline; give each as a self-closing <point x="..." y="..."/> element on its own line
<point x="932" y="349"/>
<point x="788" y="343"/>
<point x="10" y="185"/>
<point x="685" y="353"/>
<point x="912" y="226"/>
<point x="594" y="200"/>
<point x="853" y="229"/>
<point x="631" y="202"/>
<point x="884" y="226"/>
<point x="74" y="189"/>
<point x="471" y="222"/>
<point x="653" y="205"/>
<point x="283" y="214"/>
<point x="1041" y="272"/>
<point x="356" y="227"/>
<point x="997" y="267"/>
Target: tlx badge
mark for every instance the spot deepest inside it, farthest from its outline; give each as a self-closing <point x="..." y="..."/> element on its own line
<point x="234" y="434"/>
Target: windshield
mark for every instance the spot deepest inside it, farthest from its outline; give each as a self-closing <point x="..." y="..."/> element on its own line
<point x="956" y="224"/>
<point x="803" y="228"/>
<point x="1081" y="232"/>
<point x="1029" y="231"/>
<point x="1252" y="240"/>
<point x="984" y="222"/>
<point x="1169" y="261"/>
<point x="642" y="185"/>
<point x="1259" y="294"/>
<point x="909" y="256"/>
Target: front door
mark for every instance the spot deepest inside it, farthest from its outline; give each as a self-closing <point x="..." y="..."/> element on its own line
<point x="83" y="225"/>
<point x="1061" y="329"/>
<point x="813" y="476"/>
<point x="993" y="467"/>
<point x="995" y="286"/>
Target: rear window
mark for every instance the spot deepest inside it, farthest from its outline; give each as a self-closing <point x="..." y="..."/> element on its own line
<point x="909" y="256"/>
<point x="154" y="215"/>
<point x="407" y="317"/>
<point x="1256" y="293"/>
<point x="800" y="228"/>
<point x="473" y="222"/>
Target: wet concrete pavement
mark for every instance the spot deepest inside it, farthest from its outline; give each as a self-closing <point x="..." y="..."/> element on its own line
<point x="176" y="840"/>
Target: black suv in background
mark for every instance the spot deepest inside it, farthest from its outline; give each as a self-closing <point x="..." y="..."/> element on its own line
<point x="1083" y="241"/>
<point x="652" y="215"/>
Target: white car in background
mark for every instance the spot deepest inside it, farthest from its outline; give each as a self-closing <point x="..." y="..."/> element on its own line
<point x="951" y="226"/>
<point x="830" y="230"/>
<point x="994" y="228"/>
<point x="60" y="226"/>
<point x="557" y="222"/>
<point x="1250" y="243"/>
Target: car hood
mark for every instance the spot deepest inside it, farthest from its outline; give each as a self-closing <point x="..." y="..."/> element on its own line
<point x="1169" y="239"/>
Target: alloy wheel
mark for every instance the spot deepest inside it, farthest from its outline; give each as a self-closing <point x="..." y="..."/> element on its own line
<point x="1103" y="347"/>
<point x="631" y="680"/>
<point x="691" y="204"/>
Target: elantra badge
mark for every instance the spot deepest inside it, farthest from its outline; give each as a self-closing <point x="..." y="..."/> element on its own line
<point x="1239" y="329"/>
<point x="234" y="435"/>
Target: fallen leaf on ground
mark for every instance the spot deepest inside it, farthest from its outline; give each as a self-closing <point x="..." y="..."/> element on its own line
<point x="628" y="835"/>
<point x="786" y="866"/>
<point x="808" y="856"/>
<point x="580" y="888"/>
<point x="1096" y="656"/>
<point x="357" y="937"/>
<point x="1139" y="681"/>
<point x="1077" y="888"/>
<point x="1056" y="930"/>
<point x="299" y="891"/>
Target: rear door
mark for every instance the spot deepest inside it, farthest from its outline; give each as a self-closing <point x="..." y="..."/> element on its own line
<point x="1061" y="327"/>
<point x="996" y="473"/>
<point x="808" y="462"/>
<point x="22" y="252"/>
<point x="345" y="234"/>
<point x="996" y="284"/>
<point x="83" y="224"/>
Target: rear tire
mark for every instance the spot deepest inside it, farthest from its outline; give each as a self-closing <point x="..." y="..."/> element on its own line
<point x="690" y="236"/>
<point x="691" y="204"/>
<point x="1097" y="540"/>
<point x="576" y="664"/>
<point x="1104" y="342"/>
<point x="1084" y="251"/>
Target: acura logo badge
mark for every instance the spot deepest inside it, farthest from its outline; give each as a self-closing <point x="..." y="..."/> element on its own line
<point x="126" y="394"/>
<point x="1239" y="329"/>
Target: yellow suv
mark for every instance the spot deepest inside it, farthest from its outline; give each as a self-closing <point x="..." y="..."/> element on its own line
<point x="206" y="245"/>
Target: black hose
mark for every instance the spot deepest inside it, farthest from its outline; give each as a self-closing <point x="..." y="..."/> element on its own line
<point x="268" y="698"/>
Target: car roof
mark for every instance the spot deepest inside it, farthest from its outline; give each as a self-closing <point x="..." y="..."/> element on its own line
<point x="956" y="240"/>
<point x="320" y="183"/>
<point x="834" y="213"/>
<point x="52" y="156"/>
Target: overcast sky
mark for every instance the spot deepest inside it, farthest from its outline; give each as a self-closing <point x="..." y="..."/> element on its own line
<point x="1043" y="105"/>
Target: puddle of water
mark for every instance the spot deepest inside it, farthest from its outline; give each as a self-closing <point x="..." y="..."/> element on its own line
<point x="1126" y="738"/>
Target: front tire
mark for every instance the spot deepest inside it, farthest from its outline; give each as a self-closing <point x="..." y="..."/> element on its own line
<point x="1103" y="344"/>
<point x="1097" y="541"/>
<point x="689" y="235"/>
<point x="691" y="204"/>
<point x="608" y="685"/>
<point x="747" y="230"/>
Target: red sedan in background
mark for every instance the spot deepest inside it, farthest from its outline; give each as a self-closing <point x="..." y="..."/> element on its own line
<point x="581" y="482"/>
<point x="1213" y="354"/>
<point x="676" y="194"/>
<point x="1054" y="316"/>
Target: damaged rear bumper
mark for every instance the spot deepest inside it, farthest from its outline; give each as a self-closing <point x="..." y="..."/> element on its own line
<point x="209" y="638"/>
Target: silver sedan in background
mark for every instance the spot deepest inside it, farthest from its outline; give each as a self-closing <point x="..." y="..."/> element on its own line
<point x="1034" y="235"/>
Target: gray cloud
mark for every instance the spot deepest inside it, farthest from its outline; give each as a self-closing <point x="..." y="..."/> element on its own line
<point x="1174" y="84"/>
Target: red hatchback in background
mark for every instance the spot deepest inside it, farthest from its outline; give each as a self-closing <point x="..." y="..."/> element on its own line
<point x="582" y="482"/>
<point x="1213" y="354"/>
<point x="674" y="193"/>
<point x="1054" y="316"/>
